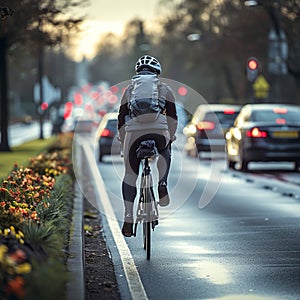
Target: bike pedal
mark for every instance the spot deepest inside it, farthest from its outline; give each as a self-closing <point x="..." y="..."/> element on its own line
<point x="154" y="223"/>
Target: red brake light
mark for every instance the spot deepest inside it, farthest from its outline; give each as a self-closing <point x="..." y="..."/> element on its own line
<point x="68" y="110"/>
<point x="206" y="125"/>
<point x="105" y="133"/>
<point x="229" y="111"/>
<point x="78" y="99"/>
<point x="280" y="121"/>
<point x="256" y="133"/>
<point x="280" y="110"/>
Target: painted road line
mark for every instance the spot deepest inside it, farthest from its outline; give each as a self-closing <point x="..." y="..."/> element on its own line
<point x="133" y="278"/>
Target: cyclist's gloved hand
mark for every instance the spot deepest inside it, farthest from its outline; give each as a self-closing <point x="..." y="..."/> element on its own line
<point x="120" y="139"/>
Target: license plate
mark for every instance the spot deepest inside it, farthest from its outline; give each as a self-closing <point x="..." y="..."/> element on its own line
<point x="286" y="134"/>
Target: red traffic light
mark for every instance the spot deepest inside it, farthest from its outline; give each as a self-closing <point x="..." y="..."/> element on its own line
<point x="252" y="68"/>
<point x="44" y="105"/>
<point x="252" y="64"/>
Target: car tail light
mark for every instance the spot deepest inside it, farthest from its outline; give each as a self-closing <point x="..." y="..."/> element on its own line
<point x="206" y="125"/>
<point x="106" y="133"/>
<point x="280" y="121"/>
<point x="280" y="110"/>
<point x="256" y="133"/>
<point x="229" y="111"/>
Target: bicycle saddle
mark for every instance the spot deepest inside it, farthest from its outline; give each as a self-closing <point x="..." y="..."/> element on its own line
<point x="146" y="149"/>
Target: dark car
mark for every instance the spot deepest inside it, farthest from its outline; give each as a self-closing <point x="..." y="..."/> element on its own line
<point x="264" y="132"/>
<point x="209" y="124"/>
<point x="108" y="143"/>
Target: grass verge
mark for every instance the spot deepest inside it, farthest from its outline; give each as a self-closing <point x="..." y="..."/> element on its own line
<point x="21" y="154"/>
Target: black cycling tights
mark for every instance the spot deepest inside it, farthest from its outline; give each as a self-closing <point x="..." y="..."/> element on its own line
<point x="132" y="163"/>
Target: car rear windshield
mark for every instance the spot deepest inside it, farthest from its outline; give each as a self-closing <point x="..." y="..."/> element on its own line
<point x="272" y="115"/>
<point x="112" y="125"/>
<point x="223" y="117"/>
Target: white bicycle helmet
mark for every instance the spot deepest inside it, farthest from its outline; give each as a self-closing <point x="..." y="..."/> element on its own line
<point x="149" y="62"/>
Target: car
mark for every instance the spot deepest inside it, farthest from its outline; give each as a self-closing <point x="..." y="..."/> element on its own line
<point x="263" y="133"/>
<point x="210" y="122"/>
<point x="107" y="131"/>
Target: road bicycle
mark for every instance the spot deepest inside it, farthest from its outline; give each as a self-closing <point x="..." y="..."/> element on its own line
<point x="147" y="207"/>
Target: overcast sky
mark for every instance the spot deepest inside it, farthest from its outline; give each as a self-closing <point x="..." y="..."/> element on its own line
<point x="110" y="16"/>
<point x="121" y="10"/>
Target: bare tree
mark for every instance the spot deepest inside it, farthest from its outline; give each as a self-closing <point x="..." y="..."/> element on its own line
<point x="45" y="23"/>
<point x="5" y="11"/>
<point x="227" y="33"/>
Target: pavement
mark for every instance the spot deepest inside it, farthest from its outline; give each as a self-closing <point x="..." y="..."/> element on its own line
<point x="92" y="274"/>
<point x="75" y="287"/>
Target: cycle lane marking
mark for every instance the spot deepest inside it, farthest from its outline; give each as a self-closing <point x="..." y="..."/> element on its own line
<point x="135" y="284"/>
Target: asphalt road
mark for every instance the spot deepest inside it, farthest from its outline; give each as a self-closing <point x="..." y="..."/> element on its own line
<point x="226" y="235"/>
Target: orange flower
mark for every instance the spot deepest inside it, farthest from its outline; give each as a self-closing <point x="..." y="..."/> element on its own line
<point x="25" y="213"/>
<point x="19" y="255"/>
<point x="12" y="209"/>
<point x="34" y="216"/>
<point x="15" y="286"/>
<point x="4" y="190"/>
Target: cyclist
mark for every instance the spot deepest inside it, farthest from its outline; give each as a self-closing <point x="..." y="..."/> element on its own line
<point x="132" y="131"/>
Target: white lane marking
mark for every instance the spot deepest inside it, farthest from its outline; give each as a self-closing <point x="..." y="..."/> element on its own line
<point x="133" y="278"/>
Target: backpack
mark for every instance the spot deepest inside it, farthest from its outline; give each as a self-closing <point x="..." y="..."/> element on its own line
<point x="144" y="103"/>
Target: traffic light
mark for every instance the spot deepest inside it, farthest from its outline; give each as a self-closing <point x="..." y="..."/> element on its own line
<point x="252" y="68"/>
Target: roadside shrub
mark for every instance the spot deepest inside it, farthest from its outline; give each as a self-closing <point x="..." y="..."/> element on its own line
<point x="35" y="216"/>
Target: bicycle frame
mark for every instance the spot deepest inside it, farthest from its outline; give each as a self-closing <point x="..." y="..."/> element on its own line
<point x="147" y="211"/>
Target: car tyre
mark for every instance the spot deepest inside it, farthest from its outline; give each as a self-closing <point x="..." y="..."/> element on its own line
<point x="297" y="166"/>
<point x="244" y="165"/>
<point x="100" y="157"/>
<point x="243" y="162"/>
<point x="231" y="164"/>
<point x="198" y="151"/>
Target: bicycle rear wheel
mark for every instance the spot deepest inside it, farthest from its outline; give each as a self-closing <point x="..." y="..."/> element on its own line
<point x="147" y="223"/>
<point x="147" y="238"/>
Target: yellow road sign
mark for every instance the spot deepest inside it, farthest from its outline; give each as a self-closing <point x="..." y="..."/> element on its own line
<point x="261" y="87"/>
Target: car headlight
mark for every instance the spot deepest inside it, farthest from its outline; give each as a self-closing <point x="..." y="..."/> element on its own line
<point x="190" y="129"/>
<point x="237" y="134"/>
<point x="228" y="135"/>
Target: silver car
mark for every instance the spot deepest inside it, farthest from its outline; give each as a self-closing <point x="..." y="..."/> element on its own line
<point x="107" y="131"/>
<point x="207" y="129"/>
